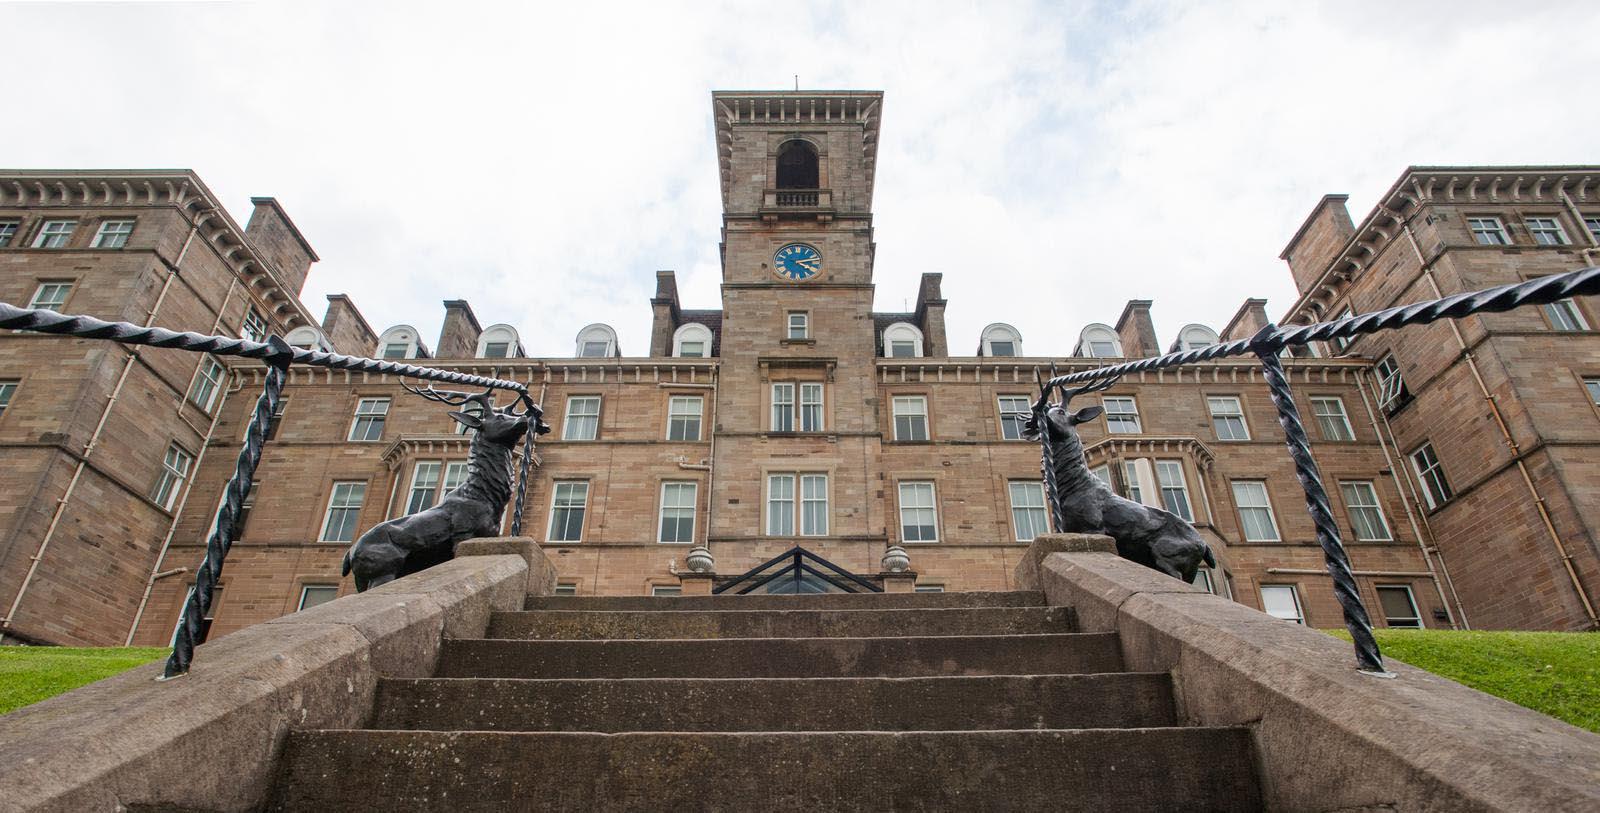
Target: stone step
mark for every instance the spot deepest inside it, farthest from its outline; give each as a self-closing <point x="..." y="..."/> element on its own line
<point x="1067" y="653"/>
<point x="731" y="623"/>
<point x="1118" y="700"/>
<point x="814" y="601"/>
<point x="1089" y="769"/>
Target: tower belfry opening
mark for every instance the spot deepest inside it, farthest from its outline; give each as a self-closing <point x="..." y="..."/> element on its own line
<point x="797" y="166"/>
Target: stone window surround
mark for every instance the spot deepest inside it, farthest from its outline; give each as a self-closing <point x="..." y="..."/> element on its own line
<point x="371" y="415"/>
<point x="796" y="404"/>
<point x="927" y="416"/>
<point x="1001" y="411"/>
<point x="1244" y="419"/>
<point x="329" y="508"/>
<point x="1294" y="596"/>
<point x="110" y="230"/>
<point x="583" y="506"/>
<point x="795" y="500"/>
<point x="911" y="478"/>
<point x="1344" y="414"/>
<point x="1122" y="416"/>
<point x="1376" y="506"/>
<point x="567" y="414"/>
<point x="1411" y="598"/>
<point x="1239" y="508"/>
<point x="71" y="284"/>
<point x="700" y="416"/>
<point x="694" y="510"/>
<point x="1036" y="488"/>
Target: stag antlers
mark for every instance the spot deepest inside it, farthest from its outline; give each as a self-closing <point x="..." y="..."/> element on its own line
<point x="485" y="402"/>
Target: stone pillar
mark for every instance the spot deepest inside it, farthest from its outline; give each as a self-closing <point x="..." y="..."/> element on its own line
<point x="902" y="582"/>
<point x="696" y="584"/>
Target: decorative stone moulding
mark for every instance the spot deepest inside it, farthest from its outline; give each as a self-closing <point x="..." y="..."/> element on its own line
<point x="700" y="560"/>
<point x="896" y="560"/>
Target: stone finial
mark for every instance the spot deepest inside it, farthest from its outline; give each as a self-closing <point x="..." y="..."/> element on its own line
<point x="896" y="560"/>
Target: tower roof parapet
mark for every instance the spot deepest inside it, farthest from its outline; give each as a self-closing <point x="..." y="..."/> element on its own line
<point x="811" y="108"/>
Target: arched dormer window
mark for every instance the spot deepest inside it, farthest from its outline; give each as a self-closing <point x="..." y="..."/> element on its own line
<point x="797" y="165"/>
<point x="307" y="337"/>
<point x="1100" y="342"/>
<point x="1000" y="339"/>
<point x="693" y="340"/>
<point x="401" y="342"/>
<point x="1194" y="337"/>
<point x="902" y="340"/>
<point x="500" y="342"/>
<point x="597" y="341"/>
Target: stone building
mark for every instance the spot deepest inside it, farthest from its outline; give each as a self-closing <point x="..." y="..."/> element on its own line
<point x="795" y="414"/>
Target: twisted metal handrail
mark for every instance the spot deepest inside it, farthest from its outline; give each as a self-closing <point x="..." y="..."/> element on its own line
<point x="279" y="356"/>
<point x="1271" y="339"/>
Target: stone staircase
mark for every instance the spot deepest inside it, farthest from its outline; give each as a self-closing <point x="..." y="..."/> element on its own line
<point x="823" y="702"/>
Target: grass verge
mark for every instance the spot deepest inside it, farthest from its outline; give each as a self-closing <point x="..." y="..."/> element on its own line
<point x="29" y="674"/>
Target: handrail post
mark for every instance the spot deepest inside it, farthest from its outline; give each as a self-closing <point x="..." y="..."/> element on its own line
<point x="1266" y="345"/>
<point x="244" y="470"/>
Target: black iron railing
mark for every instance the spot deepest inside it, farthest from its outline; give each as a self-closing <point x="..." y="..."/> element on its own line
<point x="279" y="356"/>
<point x="1271" y="340"/>
<point x="797" y="564"/>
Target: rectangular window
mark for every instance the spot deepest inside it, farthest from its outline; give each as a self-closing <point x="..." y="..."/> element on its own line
<point x="691" y="349"/>
<point x="174" y="472"/>
<point x="424" y="486"/>
<point x="928" y="588"/>
<point x="683" y="417"/>
<point x="497" y="350"/>
<point x="910" y="417"/>
<point x="276" y="421"/>
<point x="1331" y="419"/>
<point x="1102" y="473"/>
<point x="112" y="234"/>
<point x="1002" y="347"/>
<point x="8" y="231"/>
<point x="1399" y="606"/>
<point x="1174" y="491"/>
<point x="811" y="407"/>
<point x="207" y="383"/>
<point x="665" y="590"/>
<point x="1546" y="231"/>
<point x="396" y="350"/>
<point x="1488" y="231"/>
<point x="313" y="594"/>
<point x="1027" y="509"/>
<point x="344" y="509"/>
<point x="677" y="512"/>
<point x="54" y="234"/>
<point x="780" y="505"/>
<point x="799" y="325"/>
<point x="566" y="589"/>
<point x="1366" y="515"/>
<point x="1392" y="392"/>
<point x="813" y="505"/>
<point x="1590" y="384"/>
<point x="1130" y="476"/>
<point x="1590" y="223"/>
<point x="918" y="522"/>
<point x="1435" y="488"/>
<point x="1337" y="343"/>
<point x="1122" y="414"/>
<point x="595" y="350"/>
<point x="1013" y="412"/>
<point x="567" y="507"/>
<point x="783" y="407"/>
<point x="1282" y="601"/>
<point x="455" y="476"/>
<point x="368" y="423"/>
<point x="8" y="389"/>
<point x="255" y="327"/>
<point x="1227" y="418"/>
<point x="50" y="295"/>
<point x="902" y="349"/>
<point x="1564" y="315"/>
<point x="1255" y="510"/>
<point x="583" y="418"/>
<point x="1202" y="580"/>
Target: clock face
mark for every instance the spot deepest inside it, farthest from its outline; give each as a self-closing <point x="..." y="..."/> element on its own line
<point x="796" y="262"/>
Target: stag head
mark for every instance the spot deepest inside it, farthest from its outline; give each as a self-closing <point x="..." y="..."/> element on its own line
<point x="1056" y="414"/>
<point x="499" y="426"/>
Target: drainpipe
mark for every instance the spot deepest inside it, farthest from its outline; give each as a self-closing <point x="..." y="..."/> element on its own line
<point x="1511" y="443"/>
<point x="94" y="438"/>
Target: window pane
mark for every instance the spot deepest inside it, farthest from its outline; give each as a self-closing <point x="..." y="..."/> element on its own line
<point x="683" y="417"/>
<point x="455" y="475"/>
<point x="370" y="415"/>
<point x="1435" y="488"/>
<point x="396" y="350"/>
<point x="1002" y="348"/>
<point x="810" y="407"/>
<point x="1174" y="492"/>
<point x="7" y="390"/>
<point x="917" y="519"/>
<point x="312" y="595"/>
<point x="1399" y="607"/>
<point x="780" y="505"/>
<point x="207" y="383"/>
<point x="583" y="418"/>
<point x="595" y="350"/>
<point x="1013" y="411"/>
<point x="51" y="295"/>
<point x="424" y="486"/>
<point x="677" y="512"/>
<point x="1122" y="415"/>
<point x="567" y="510"/>
<point x="910" y="418"/>
<point x="1593" y="386"/>
<point x="1280" y="601"/>
<point x="496" y="350"/>
<point x="113" y="234"/>
<point x="344" y="508"/>
<point x="1255" y="511"/>
<point x="814" y="505"/>
<point x="54" y="234"/>
<point x="1331" y="419"/>
<point x="1227" y="418"/>
<point x="902" y="349"/>
<point x="692" y="349"/>
<point x="783" y="407"/>
<point x="1028" y="509"/>
<point x="1366" y="515"/>
<point x="799" y="325"/>
<point x="1564" y="315"/>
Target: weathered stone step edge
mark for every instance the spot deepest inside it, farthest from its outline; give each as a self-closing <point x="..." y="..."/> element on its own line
<point x="909" y="656"/>
<point x="733" y="623"/>
<point x="824" y="601"/>
<point x="1011" y="702"/>
<point x="1145" y="768"/>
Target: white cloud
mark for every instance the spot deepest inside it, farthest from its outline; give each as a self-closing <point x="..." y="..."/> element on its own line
<point x="542" y="161"/>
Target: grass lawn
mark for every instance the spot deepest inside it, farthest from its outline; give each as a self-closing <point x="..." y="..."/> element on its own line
<point x="29" y="674"/>
<point x="1555" y="673"/>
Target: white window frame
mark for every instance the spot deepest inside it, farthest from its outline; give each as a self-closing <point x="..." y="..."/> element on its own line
<point x="1121" y="411"/>
<point x="55" y="233"/>
<point x="1265" y="505"/>
<point x="426" y="478"/>
<point x="52" y="294"/>
<point x="1565" y="316"/>
<point x="927" y="588"/>
<point x="666" y="590"/>
<point x="787" y="506"/>
<point x="1293" y="592"/>
<point x="113" y="233"/>
<point x="902" y="333"/>
<point x="8" y="231"/>
<point x="912" y="507"/>
<point x="1222" y="419"/>
<point x="1102" y="473"/>
<point x="8" y="390"/>
<point x="305" y="593"/>
<point x="1339" y="344"/>
<point x="1362" y="496"/>
<point x="455" y="476"/>
<point x="207" y="383"/>
<point x="1488" y="231"/>
<point x="1132" y="481"/>
<point x="346" y="488"/>
<point x="370" y="412"/>
<point x="1411" y="599"/>
<point x="810" y="408"/>
<point x="1391" y="382"/>
<point x="780" y="504"/>
<point x="600" y="339"/>
<point x="1202" y="579"/>
<point x="1031" y="514"/>
<point x="676" y="489"/>
<point x="1094" y="335"/>
<point x="797" y="326"/>
<point x="566" y="589"/>
<point x="1436" y="490"/>
<point x="912" y="408"/>
<point x="783" y="398"/>
<point x="1000" y="332"/>
<point x="1174" y="488"/>
<point x="1589" y="222"/>
<point x="1011" y="419"/>
<point x="1333" y="423"/>
<point x="254" y="327"/>
<point x="1590" y="385"/>
<point x="566" y="497"/>
<point x="813" y="492"/>
<point x="1546" y="230"/>
<point x="692" y="333"/>
<point x="175" y="467"/>
<point x="679" y="414"/>
<point x="575" y="423"/>
<point x="1194" y="337"/>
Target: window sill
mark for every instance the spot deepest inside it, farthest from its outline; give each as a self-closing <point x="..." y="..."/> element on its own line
<point x="899" y="442"/>
<point x="798" y="342"/>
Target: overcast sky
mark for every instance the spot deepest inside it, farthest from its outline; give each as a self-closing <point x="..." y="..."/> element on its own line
<point x="1052" y="160"/>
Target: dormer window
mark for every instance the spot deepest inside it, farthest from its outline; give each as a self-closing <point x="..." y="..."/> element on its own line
<point x="797" y="165"/>
<point x="693" y="340"/>
<point x="597" y="341"/>
<point x="400" y="342"/>
<point x="902" y="340"/>
<point x="1001" y="340"/>
<point x="1194" y="337"/>
<point x="499" y="342"/>
<point x="306" y="337"/>
<point x="1099" y="341"/>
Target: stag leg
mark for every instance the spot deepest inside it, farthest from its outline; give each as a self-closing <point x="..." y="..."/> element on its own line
<point x="376" y="559"/>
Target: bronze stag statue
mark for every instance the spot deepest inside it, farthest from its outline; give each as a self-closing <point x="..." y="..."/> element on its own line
<point x="1081" y="503"/>
<point x="415" y="542"/>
